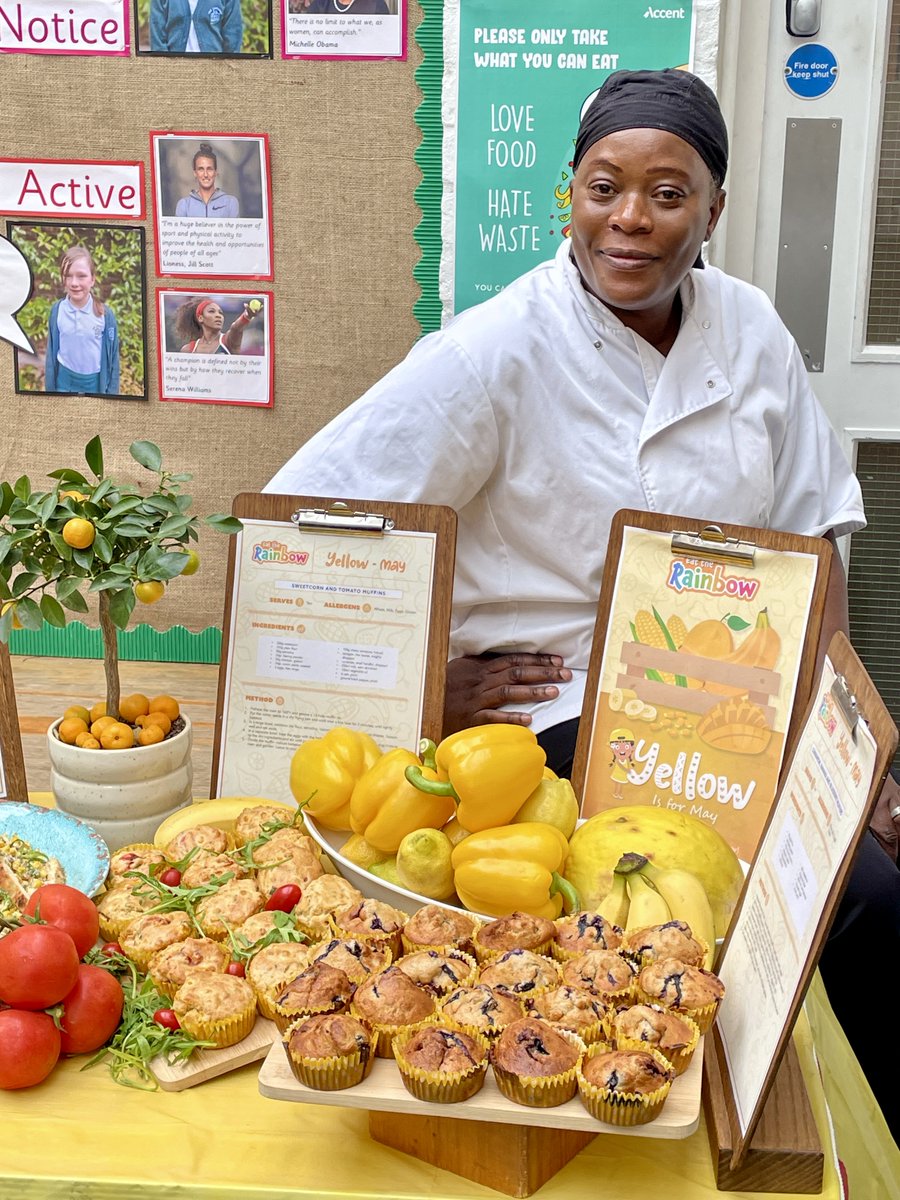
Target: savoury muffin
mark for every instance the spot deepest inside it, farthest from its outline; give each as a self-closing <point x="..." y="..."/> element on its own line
<point x="569" y="1008"/>
<point x="355" y="958"/>
<point x="645" y="1025"/>
<point x="206" y="866"/>
<point x="331" y="1051"/>
<point x="123" y="904"/>
<point x="170" y="967"/>
<point x="518" y="931"/>
<point x="606" y="973"/>
<point x="534" y="1063"/>
<point x="215" y="1008"/>
<point x="439" y="970"/>
<point x="153" y="932"/>
<point x="371" y="921"/>
<point x="584" y="931"/>
<point x="203" y="837"/>
<point x="269" y="972"/>
<point x="674" y="939"/>
<point x="140" y="857"/>
<point x="317" y="990"/>
<point x="435" y="928"/>
<point x="299" y="866"/>
<point x="624" y="1087"/>
<point x="480" y="1009"/>
<point x="322" y="897"/>
<point x="261" y="924"/>
<point x="228" y="907"/>
<point x="690" y="990"/>
<point x="520" y="972"/>
<point x="252" y="821"/>
<point x="440" y="1064"/>
<point x="282" y="844"/>
<point x="391" y="1003"/>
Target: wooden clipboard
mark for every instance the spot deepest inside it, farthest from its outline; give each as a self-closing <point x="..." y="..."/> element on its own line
<point x="12" y="761"/>
<point x="855" y="701"/>
<point x="735" y="550"/>
<point x="354" y="519"/>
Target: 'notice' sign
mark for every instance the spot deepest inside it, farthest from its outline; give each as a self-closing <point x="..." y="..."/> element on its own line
<point x="60" y="27"/>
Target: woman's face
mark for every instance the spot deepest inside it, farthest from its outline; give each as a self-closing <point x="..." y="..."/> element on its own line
<point x="211" y="319"/>
<point x="78" y="281"/>
<point x="643" y="202"/>
<point x="205" y="173"/>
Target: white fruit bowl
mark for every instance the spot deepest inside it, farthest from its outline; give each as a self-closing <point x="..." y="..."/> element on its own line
<point x="370" y="885"/>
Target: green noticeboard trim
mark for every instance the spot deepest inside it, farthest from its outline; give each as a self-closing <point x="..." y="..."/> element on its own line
<point x="429" y="77"/>
<point x="141" y="644"/>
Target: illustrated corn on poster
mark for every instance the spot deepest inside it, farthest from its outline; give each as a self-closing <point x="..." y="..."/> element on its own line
<point x="697" y="683"/>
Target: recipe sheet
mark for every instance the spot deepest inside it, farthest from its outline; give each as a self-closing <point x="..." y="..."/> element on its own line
<point x="812" y="829"/>
<point x="326" y="630"/>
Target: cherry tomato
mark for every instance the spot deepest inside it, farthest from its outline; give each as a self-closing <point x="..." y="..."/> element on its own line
<point x="166" y="1017"/>
<point x="38" y="966"/>
<point x="68" y="909"/>
<point x="29" y="1047"/>
<point x="91" y="1010"/>
<point x="171" y="877"/>
<point x="110" y="948"/>
<point x="284" y="898"/>
<point x="235" y="968"/>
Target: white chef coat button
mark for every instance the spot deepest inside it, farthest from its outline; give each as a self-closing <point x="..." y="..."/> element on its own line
<point x="706" y="324"/>
<point x="598" y="345"/>
<point x="710" y="383"/>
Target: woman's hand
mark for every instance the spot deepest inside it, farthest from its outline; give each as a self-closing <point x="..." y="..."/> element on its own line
<point x="479" y="684"/>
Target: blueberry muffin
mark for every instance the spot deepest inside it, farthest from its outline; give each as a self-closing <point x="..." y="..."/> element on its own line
<point x="371" y="921"/>
<point x="569" y="1008"/>
<point x="435" y="928"/>
<point x="331" y="1051"/>
<point x="439" y="970"/>
<point x="605" y="973"/>
<point x="271" y="969"/>
<point x="624" y="1087"/>
<point x="355" y="958"/>
<point x="518" y="931"/>
<point x="318" y="989"/>
<point x="674" y="939"/>
<point x="584" y="931"/>
<point x="520" y="972"/>
<point x="392" y="1003"/>
<point x="690" y="990"/>
<point x="440" y="1064"/>
<point x="534" y="1063"/>
<point x="480" y="1009"/>
<point x="643" y="1025"/>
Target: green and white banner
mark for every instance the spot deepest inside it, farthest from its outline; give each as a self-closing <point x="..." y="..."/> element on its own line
<point x="517" y="75"/>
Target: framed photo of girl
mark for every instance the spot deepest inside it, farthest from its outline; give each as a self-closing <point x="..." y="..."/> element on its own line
<point x="343" y="28"/>
<point x="85" y="316"/>
<point x="212" y="204"/>
<point x="215" y="347"/>
<point x="204" y="28"/>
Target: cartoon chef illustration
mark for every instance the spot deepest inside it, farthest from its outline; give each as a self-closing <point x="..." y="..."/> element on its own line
<point x="621" y="743"/>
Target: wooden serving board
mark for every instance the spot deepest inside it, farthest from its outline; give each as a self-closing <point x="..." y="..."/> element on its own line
<point x="207" y="1064"/>
<point x="383" y="1091"/>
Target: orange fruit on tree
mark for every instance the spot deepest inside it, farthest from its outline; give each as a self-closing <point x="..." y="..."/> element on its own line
<point x="133" y="706"/>
<point x="117" y="736"/>
<point x="192" y="564"/>
<point x="155" y="718"/>
<point x="69" y="729"/>
<point x="73" y="495"/>
<point x="87" y="741"/>
<point x="165" y="704"/>
<point x="150" y="735"/>
<point x="78" y="710"/>
<point x="100" y="724"/>
<point x="79" y="533"/>
<point x="150" y="591"/>
<point x="98" y="710"/>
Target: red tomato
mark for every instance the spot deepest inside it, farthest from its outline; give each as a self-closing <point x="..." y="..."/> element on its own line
<point x="68" y="909"/>
<point x="29" y="1047"/>
<point x="167" y="1018"/>
<point x="38" y="966"/>
<point x="171" y="877"/>
<point x="92" y="1010"/>
<point x="235" y="968"/>
<point x="284" y="898"/>
<point x="109" y="948"/>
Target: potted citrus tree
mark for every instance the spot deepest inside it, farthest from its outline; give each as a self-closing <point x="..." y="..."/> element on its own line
<point x="90" y="534"/>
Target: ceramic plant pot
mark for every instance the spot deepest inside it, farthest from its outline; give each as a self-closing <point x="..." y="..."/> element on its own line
<point x="123" y="794"/>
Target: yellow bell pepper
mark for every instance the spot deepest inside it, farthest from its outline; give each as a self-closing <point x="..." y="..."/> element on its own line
<point x="514" y="867"/>
<point x="385" y="807"/>
<point x="324" y="772"/>
<point x="489" y="770"/>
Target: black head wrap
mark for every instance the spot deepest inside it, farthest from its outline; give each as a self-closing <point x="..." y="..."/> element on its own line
<point x="676" y="101"/>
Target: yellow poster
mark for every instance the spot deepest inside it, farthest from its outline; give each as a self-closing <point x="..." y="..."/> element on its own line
<point x="697" y="683"/>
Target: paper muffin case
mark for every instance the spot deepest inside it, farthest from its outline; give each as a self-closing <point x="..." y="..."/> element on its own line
<point x="222" y="1031"/>
<point x="702" y="1017"/>
<point x="441" y="1087"/>
<point x="387" y="1032"/>
<point x="283" y="1017"/>
<point x="679" y="1058"/>
<point x="316" y="926"/>
<point x="466" y="943"/>
<point x="112" y="930"/>
<point x="265" y="1002"/>
<point x="622" y="1108"/>
<point x="589" y="1034"/>
<point x="390" y="941"/>
<point x="540" y="1091"/>
<point x="485" y="954"/>
<point x="646" y="957"/>
<point x="464" y="960"/>
<point x="476" y="1030"/>
<point x="335" y="1073"/>
<point x="137" y="848"/>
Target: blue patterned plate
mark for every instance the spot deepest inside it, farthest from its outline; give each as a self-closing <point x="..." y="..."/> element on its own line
<point x="81" y="851"/>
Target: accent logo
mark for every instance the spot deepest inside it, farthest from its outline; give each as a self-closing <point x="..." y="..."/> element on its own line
<point x="664" y="14"/>
<point x="712" y="578"/>
<point x="277" y="552"/>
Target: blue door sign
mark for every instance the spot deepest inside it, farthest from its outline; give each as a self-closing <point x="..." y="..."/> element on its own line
<point x="810" y="71"/>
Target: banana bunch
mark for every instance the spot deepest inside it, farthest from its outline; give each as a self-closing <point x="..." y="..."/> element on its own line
<point x="643" y="894"/>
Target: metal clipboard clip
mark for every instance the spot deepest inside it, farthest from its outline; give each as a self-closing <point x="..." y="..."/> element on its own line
<point x="341" y="519"/>
<point x="846" y="703"/>
<point x="711" y="542"/>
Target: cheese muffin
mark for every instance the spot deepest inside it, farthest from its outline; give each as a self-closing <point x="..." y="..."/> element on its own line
<point x="520" y="972"/>
<point x="534" y="1063"/>
<point x="122" y="904"/>
<point x="674" y="939"/>
<point x="152" y="932"/>
<point x="480" y="1009"/>
<point x="439" y="970"/>
<point x="282" y="844"/>
<point x="569" y="1008"/>
<point x="203" y="837"/>
<point x="392" y="1003"/>
<point x="441" y="1065"/>
<point x="321" y="897"/>
<point x="355" y="958"/>
<point x="320" y="988"/>
<point x="518" y="931"/>
<point x="643" y="1025"/>
<point x="170" y="967"/>
<point x="582" y="931"/>
<point x="435" y="928"/>
<point x="331" y="1051"/>
<point x="205" y="866"/>
<point x="250" y="822"/>
<point x="229" y="907"/>
<point x="624" y="1087"/>
<point x="269" y="972"/>
<point x="690" y="990"/>
<point x="215" y="1008"/>
<point x="141" y="857"/>
<point x="606" y="973"/>
<point x="297" y="866"/>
